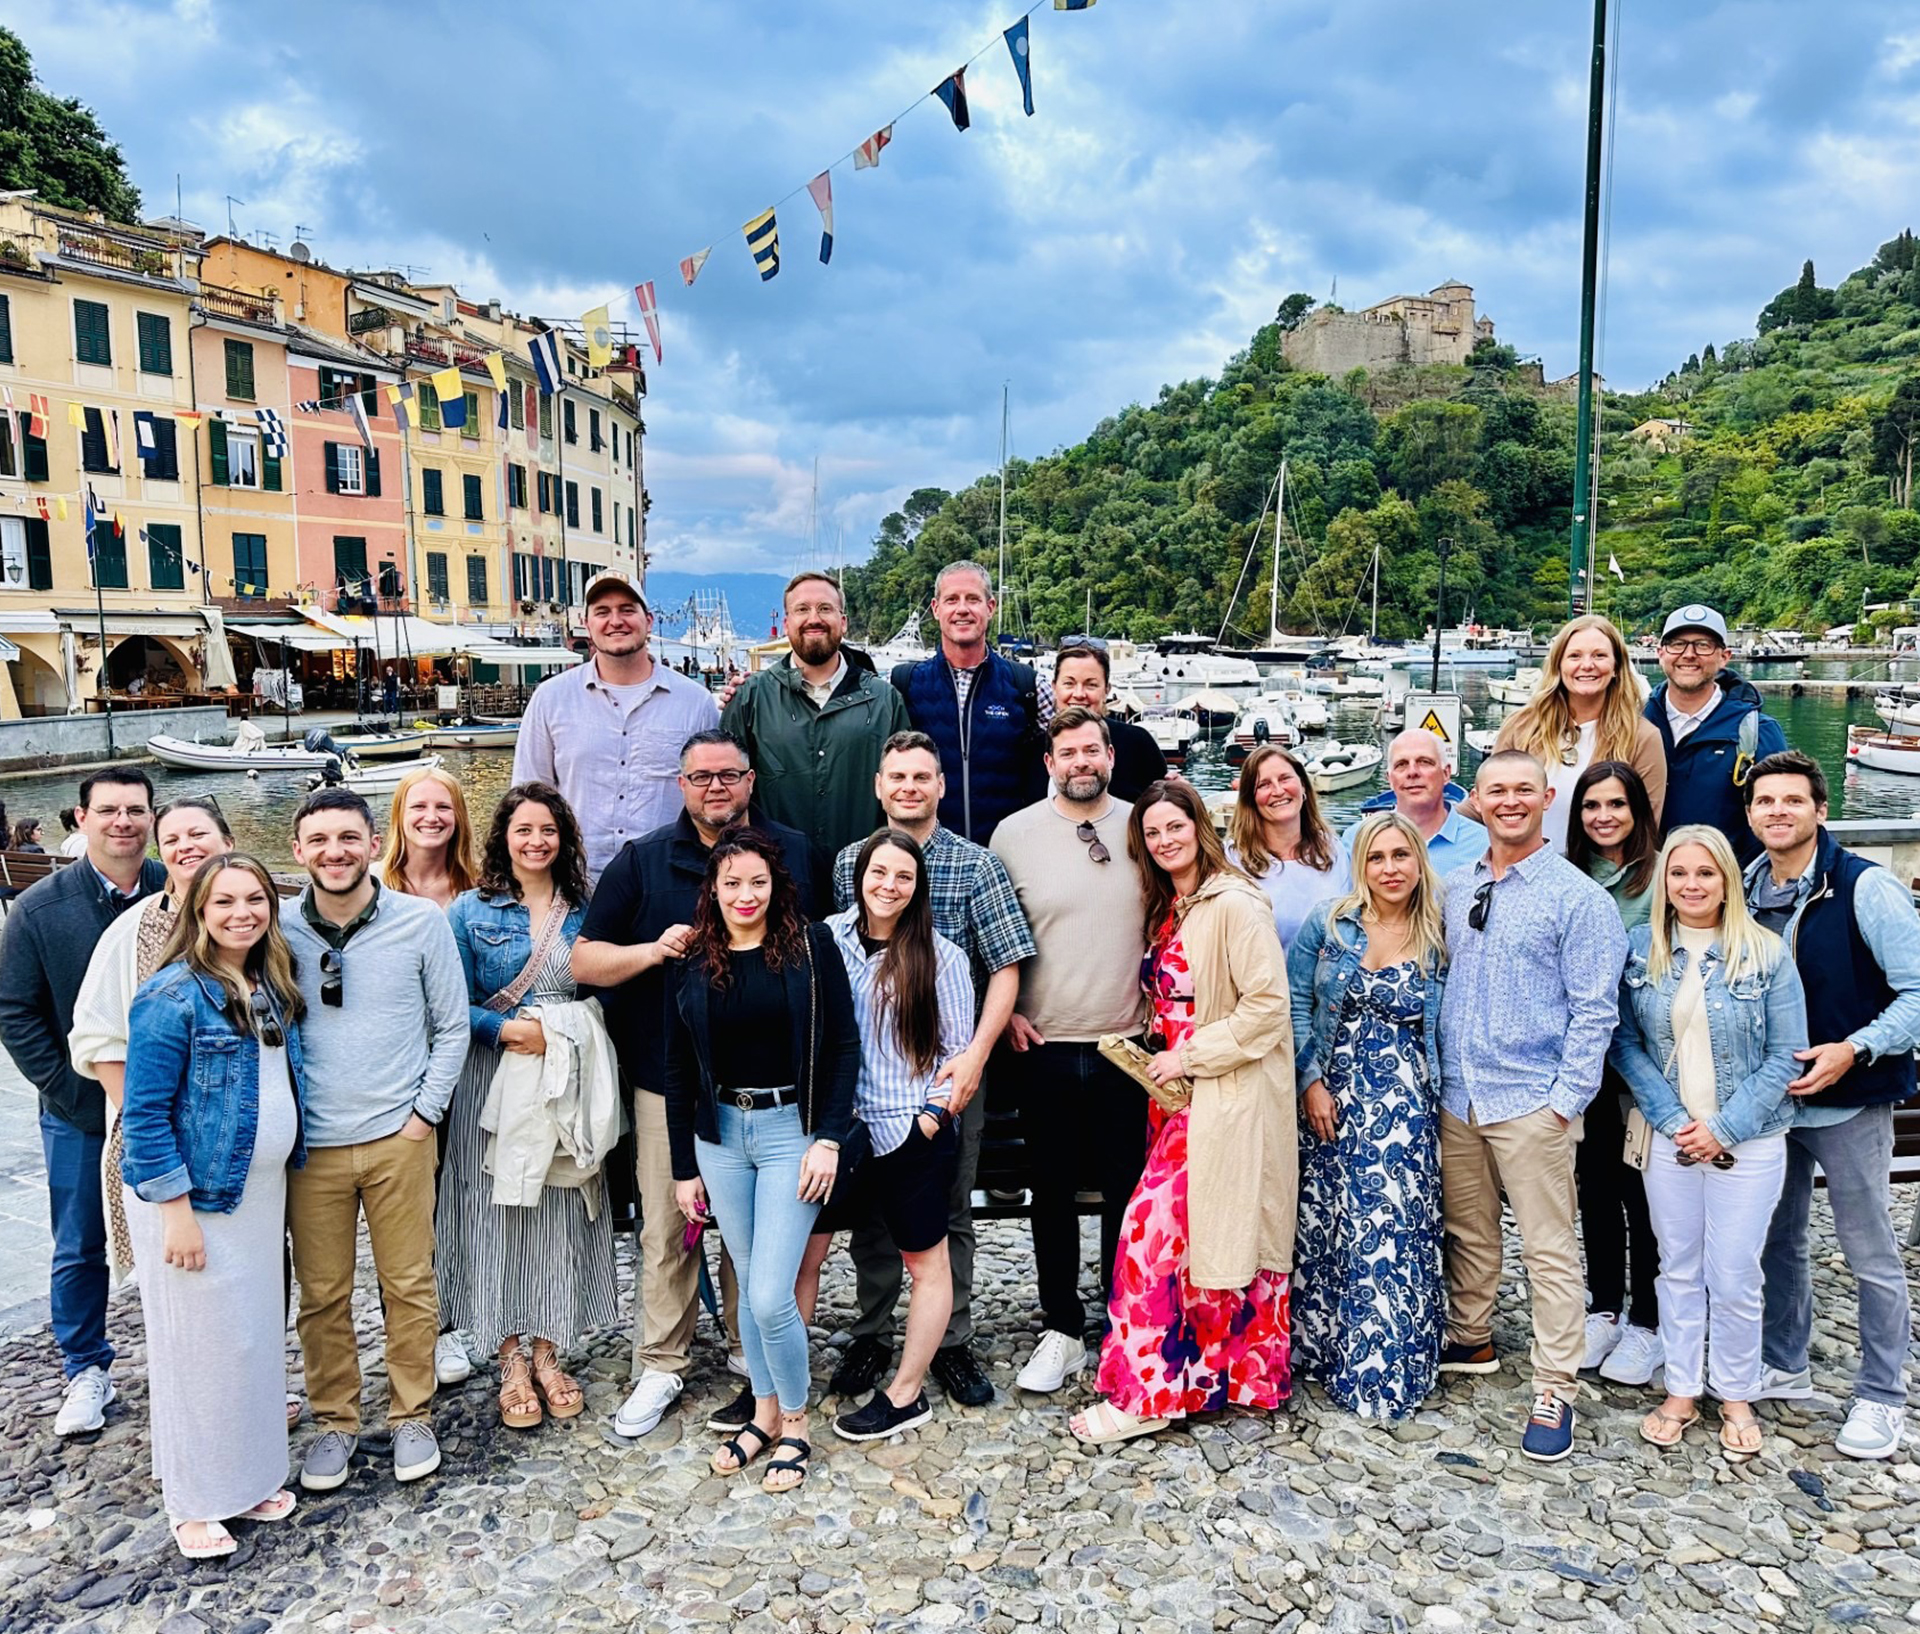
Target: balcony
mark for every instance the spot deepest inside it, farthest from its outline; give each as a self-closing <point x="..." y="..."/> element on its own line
<point x="423" y="349"/>
<point x="118" y="255"/>
<point x="237" y="304"/>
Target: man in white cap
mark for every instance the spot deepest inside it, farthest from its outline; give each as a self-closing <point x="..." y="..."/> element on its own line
<point x="1712" y="726"/>
<point x="608" y="733"/>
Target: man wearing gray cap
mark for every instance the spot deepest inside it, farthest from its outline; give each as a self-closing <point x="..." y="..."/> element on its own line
<point x="608" y="733"/>
<point x="1712" y="727"/>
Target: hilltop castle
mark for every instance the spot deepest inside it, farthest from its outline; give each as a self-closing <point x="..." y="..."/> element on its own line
<point x="1438" y="327"/>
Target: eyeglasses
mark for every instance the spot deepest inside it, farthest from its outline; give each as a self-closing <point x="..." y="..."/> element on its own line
<point x="1089" y="836"/>
<point x="265" y="1023"/>
<point x="1697" y="649"/>
<point x="1482" y="909"/>
<point x="333" y="991"/>
<point x="1686" y="1160"/>
<point x="727" y="779"/>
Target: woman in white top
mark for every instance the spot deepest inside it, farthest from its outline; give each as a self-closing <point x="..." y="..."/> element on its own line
<point x="1586" y="708"/>
<point x="1279" y="839"/>
<point x="431" y="848"/>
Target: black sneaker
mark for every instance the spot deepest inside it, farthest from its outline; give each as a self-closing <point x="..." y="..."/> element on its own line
<point x="1459" y="1358"/>
<point x="960" y="1376"/>
<point x="860" y="1369"/>
<point x="880" y="1418"/>
<point x="736" y="1415"/>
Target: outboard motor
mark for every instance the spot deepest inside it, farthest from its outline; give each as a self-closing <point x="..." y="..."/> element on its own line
<point x="1262" y="733"/>
<point x="320" y="741"/>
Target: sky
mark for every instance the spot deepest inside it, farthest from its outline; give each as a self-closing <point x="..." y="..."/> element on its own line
<point x="1186" y="167"/>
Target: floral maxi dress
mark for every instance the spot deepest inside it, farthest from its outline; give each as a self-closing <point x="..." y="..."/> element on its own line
<point x="1175" y="1349"/>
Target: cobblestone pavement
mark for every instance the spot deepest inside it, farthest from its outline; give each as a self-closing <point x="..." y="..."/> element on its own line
<point x="990" y="1519"/>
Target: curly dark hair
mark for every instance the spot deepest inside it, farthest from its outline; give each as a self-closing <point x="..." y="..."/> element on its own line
<point x="710" y="945"/>
<point x="569" y="867"/>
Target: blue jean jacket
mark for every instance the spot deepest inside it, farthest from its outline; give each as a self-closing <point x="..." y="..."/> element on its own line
<point x="192" y="1105"/>
<point x="1756" y="1023"/>
<point x="1321" y="965"/>
<point x="495" y="937"/>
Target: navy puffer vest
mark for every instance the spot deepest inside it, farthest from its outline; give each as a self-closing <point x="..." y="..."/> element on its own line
<point x="992" y="758"/>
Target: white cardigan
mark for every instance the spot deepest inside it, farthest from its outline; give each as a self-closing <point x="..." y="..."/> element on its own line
<point x="552" y="1119"/>
<point x="105" y="1001"/>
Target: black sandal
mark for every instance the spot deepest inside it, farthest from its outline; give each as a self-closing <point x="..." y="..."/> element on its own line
<point x="780" y="1466"/>
<point x="740" y="1453"/>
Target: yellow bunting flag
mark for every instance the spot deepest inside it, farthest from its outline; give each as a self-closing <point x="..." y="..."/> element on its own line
<point x="497" y="368"/>
<point x="60" y="507"/>
<point x="598" y="330"/>
<point x="446" y="384"/>
<point x="763" y="239"/>
<point x="76" y="416"/>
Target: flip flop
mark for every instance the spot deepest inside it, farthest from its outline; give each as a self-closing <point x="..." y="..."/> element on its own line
<point x="741" y="1457"/>
<point x="1104" y="1423"/>
<point x="219" y="1541"/>
<point x="1665" y="1438"/>
<point x="276" y="1508"/>
<point x="1740" y="1438"/>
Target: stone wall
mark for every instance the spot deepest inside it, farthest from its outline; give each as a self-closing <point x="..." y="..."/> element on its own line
<point x="63" y="740"/>
<point x="1438" y="327"/>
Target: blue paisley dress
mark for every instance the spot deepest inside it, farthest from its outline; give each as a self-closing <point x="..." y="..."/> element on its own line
<point x="1369" y="1300"/>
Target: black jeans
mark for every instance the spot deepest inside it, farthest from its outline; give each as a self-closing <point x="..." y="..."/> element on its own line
<point x="1084" y="1124"/>
<point x="1613" y="1216"/>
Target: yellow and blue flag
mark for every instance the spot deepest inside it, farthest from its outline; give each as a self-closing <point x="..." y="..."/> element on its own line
<point x="763" y="239"/>
<point x="452" y="393"/>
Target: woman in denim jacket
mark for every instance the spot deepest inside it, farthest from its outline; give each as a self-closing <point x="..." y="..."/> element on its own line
<point x="1711" y="1012"/>
<point x="211" y="1118"/>
<point x="1366" y="973"/>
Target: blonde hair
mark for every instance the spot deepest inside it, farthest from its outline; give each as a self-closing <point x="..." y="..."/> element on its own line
<point x="269" y="961"/>
<point x="1427" y="936"/>
<point x="463" y="867"/>
<point x="1747" y="947"/>
<point x="1545" y="728"/>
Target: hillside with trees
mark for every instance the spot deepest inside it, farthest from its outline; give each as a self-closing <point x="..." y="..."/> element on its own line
<point x="1780" y="490"/>
<point x="55" y="145"/>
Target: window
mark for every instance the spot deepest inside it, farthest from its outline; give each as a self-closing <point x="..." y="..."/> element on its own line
<point x="240" y="370"/>
<point x="91" y="340"/>
<point x="476" y="581"/>
<point x="429" y="401"/>
<point x="6" y="330"/>
<point x="546" y="578"/>
<point x="109" y="556"/>
<point x="594" y="441"/>
<point x="13" y="553"/>
<point x="517" y="487"/>
<point x="391" y="584"/>
<point x="156" y="343"/>
<point x="163" y="463"/>
<point x="616" y="448"/>
<point x="33" y="450"/>
<point x="39" y="555"/>
<point x="437" y="575"/>
<point x="516" y="414"/>
<point x="616" y="521"/>
<point x="470" y="496"/>
<point x="629" y="448"/>
<point x="243" y="459"/>
<point x="166" y="566"/>
<point x="629" y="530"/>
<point x="94" y="453"/>
<point x="566" y="419"/>
<point x="471" y="429"/>
<point x="353" y="469"/>
<point x="250" y="565"/>
<point x="9" y="447"/>
<point x="350" y="566"/>
<point x="599" y="519"/>
<point x="337" y="385"/>
<point x="546" y="417"/>
<point x="431" y="499"/>
<point x="573" y="504"/>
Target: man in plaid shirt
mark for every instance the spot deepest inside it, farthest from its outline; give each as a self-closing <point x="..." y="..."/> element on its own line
<point x="974" y="907"/>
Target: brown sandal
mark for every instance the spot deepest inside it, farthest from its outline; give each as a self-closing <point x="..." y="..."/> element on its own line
<point x="1740" y="1437"/>
<point x="565" y="1399"/>
<point x="519" y="1405"/>
<point x="1663" y="1429"/>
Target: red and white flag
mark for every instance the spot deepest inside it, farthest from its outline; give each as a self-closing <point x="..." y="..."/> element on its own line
<point x="39" y="412"/>
<point x="690" y="268"/>
<point x="649" y="315"/>
<point x="820" y="190"/>
<point x="867" y="154"/>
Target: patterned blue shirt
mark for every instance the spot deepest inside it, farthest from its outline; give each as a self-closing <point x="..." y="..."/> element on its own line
<point x="891" y="1090"/>
<point x="974" y="903"/>
<point x="1533" y="998"/>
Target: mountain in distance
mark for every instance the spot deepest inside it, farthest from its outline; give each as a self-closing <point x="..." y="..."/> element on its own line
<point x="752" y="598"/>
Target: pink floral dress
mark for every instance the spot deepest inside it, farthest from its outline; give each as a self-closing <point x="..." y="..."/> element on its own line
<point x="1174" y="1349"/>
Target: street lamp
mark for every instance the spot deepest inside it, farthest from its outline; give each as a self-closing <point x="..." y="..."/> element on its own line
<point x="1445" y="543"/>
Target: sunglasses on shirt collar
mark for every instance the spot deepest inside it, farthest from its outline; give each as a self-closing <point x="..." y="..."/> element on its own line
<point x="266" y="1024"/>
<point x="333" y="992"/>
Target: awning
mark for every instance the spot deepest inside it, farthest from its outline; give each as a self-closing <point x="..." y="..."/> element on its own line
<point x="84" y="622"/>
<point x="300" y="637"/>
<point x="8" y="651"/>
<point x="507" y="656"/>
<point x="394" y="635"/>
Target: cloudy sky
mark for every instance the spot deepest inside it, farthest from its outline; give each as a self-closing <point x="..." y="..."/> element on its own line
<point x="1187" y="166"/>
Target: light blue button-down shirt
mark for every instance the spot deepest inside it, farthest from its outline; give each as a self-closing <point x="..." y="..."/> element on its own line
<point x="1532" y="999"/>
<point x="1456" y="841"/>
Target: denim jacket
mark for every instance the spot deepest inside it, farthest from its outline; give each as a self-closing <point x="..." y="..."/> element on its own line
<point x="1756" y="1023"/>
<point x="1321" y="966"/>
<point x="192" y="1104"/>
<point x="495" y="937"/>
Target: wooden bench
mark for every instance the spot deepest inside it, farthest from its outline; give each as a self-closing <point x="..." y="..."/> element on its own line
<point x="19" y="869"/>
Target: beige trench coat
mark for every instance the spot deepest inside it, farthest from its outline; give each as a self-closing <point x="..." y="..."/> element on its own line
<point x="1243" y="1132"/>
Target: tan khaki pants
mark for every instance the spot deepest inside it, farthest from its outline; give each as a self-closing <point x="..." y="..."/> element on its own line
<point x="391" y="1181"/>
<point x="1533" y="1158"/>
<point x="667" y="1283"/>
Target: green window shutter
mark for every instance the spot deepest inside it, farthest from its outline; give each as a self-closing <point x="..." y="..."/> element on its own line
<point x="6" y="330"/>
<point x="333" y="468"/>
<point x="165" y="464"/>
<point x="599" y="518"/>
<point x="373" y="473"/>
<point x="431" y="500"/>
<point x="109" y="557"/>
<point x="269" y="469"/>
<point x="476" y="581"/>
<point x="39" y="555"/>
<point x="567" y="421"/>
<point x="471" y="429"/>
<point x="33" y="453"/>
<point x="217" y="452"/>
<point x="470" y="492"/>
<point x="437" y="575"/>
<point x="573" y="504"/>
<point x="240" y="370"/>
<point x="156" y="344"/>
<point x="92" y="340"/>
<point x="250" y="565"/>
<point x="166" y="567"/>
<point x="429" y="401"/>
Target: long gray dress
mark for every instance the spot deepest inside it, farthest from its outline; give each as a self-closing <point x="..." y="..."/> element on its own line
<point x="217" y="1338"/>
<point x="546" y="1270"/>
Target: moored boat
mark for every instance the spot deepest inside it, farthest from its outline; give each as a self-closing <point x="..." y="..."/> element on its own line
<point x="383" y="778"/>
<point x="1336" y="766"/>
<point x="474" y="735"/>
<point x="182" y="755"/>
<point x="1883" y="751"/>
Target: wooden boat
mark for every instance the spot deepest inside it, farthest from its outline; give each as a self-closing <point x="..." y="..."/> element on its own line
<point x="383" y="778"/>
<point x="474" y="735"/>
<point x="1883" y="751"/>
<point x="183" y="756"/>
<point x="1344" y="766"/>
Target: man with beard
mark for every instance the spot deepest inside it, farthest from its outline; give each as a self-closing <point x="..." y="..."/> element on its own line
<point x="813" y="724"/>
<point x="607" y="734"/>
<point x="1084" y="1121"/>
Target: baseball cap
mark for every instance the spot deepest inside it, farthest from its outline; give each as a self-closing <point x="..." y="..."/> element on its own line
<point x="1695" y="616"/>
<point x="611" y="578"/>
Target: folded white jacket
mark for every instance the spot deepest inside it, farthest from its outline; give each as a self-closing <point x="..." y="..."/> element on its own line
<point x="552" y="1119"/>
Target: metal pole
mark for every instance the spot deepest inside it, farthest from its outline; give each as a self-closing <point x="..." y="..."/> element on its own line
<point x="1581" y="544"/>
<point x="100" y="611"/>
<point x="1439" y="612"/>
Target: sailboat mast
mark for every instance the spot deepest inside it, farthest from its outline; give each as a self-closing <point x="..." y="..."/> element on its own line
<point x="1273" y="595"/>
<point x="998" y="613"/>
<point x="1373" y="629"/>
<point x="813" y="517"/>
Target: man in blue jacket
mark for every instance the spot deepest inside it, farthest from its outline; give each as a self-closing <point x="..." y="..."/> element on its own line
<point x="1712" y="726"/>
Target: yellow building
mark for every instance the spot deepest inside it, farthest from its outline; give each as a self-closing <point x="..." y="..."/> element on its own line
<point x="96" y="357"/>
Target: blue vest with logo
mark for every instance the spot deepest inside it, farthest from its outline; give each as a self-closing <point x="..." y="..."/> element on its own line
<point x="991" y="758"/>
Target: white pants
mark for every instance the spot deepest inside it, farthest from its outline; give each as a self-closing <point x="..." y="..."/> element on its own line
<point x="1712" y="1224"/>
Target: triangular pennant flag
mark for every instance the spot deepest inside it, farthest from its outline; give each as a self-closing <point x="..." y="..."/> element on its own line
<point x="357" y="407"/>
<point x="597" y="327"/>
<point x="953" y="91"/>
<point x="190" y="418"/>
<point x="867" y="154"/>
<point x="544" y="349"/>
<point x="690" y="267"/>
<point x="820" y="190"/>
<point x="453" y="397"/>
<point x="763" y="239"/>
<point x="1017" y="44"/>
<point x="1614" y="567"/>
<point x="497" y="370"/>
<point x="649" y="314"/>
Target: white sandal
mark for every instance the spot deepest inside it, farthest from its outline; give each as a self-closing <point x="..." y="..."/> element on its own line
<point x="1104" y="1423"/>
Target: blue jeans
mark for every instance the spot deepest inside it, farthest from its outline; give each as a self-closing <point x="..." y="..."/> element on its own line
<point x="753" y="1184"/>
<point x="79" y="1292"/>
<point x="1856" y="1157"/>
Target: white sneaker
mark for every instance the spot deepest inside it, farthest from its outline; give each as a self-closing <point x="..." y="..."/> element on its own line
<point x="451" y="1363"/>
<point x="1055" y="1360"/>
<point x="85" y="1408"/>
<point x="1603" y="1333"/>
<point x="1636" y="1357"/>
<point x="647" y="1405"/>
<point x="737" y="1364"/>
<point x="1873" y="1430"/>
<point x="1777" y="1384"/>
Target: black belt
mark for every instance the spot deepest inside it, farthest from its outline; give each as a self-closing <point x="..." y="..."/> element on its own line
<point x="759" y="1100"/>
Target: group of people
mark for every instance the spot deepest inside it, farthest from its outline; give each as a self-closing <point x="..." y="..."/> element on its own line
<point x="786" y="936"/>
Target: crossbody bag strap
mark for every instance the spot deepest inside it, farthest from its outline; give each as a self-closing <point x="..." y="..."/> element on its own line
<point x="509" y="996"/>
<point x="813" y="1020"/>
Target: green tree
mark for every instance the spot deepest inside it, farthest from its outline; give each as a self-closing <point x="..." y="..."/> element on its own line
<point x="1430" y="443"/>
<point x="55" y="146"/>
<point x="1293" y="310"/>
